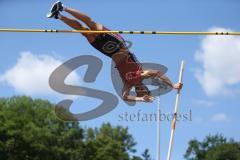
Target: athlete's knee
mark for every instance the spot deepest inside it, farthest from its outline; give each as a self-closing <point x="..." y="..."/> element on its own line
<point x="95" y="26"/>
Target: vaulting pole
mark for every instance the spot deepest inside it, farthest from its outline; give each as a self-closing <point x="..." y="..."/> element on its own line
<point x="118" y="32"/>
<point x="175" y="113"/>
<point x="158" y="129"/>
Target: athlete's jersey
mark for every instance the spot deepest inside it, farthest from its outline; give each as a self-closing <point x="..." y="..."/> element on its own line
<point x="129" y="68"/>
<point x="130" y="71"/>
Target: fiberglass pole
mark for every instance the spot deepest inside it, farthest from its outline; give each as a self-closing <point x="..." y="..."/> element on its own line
<point x="158" y="128"/>
<point x="175" y="114"/>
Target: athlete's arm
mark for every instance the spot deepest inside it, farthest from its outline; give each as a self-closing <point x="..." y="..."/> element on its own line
<point x="164" y="78"/>
<point x="127" y="97"/>
<point x="126" y="94"/>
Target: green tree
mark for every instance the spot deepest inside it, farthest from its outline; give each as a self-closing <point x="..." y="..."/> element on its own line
<point x="136" y="158"/>
<point x="30" y="130"/>
<point x="110" y="143"/>
<point x="213" y="148"/>
<point x="146" y="155"/>
<point x="228" y="151"/>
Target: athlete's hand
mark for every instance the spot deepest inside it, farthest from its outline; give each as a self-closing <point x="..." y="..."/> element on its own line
<point x="148" y="98"/>
<point x="178" y="86"/>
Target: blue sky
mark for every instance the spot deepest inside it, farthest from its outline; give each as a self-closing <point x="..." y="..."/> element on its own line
<point x="211" y="79"/>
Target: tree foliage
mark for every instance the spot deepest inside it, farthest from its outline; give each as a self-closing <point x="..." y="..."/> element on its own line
<point x="29" y="130"/>
<point x="146" y="155"/>
<point x="213" y="148"/>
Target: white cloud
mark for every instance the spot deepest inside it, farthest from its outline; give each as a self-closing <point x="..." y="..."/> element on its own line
<point x="219" y="57"/>
<point x="31" y="73"/>
<point x="203" y="102"/>
<point x="219" y="117"/>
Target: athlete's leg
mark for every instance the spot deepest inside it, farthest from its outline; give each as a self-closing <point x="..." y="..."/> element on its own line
<point x="58" y="7"/>
<point x="155" y="73"/>
<point x="72" y="23"/>
<point x="77" y="26"/>
<point x="84" y="18"/>
<point x="149" y="73"/>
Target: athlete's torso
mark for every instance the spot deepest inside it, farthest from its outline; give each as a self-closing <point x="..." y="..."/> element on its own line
<point x="130" y="71"/>
<point x="113" y="45"/>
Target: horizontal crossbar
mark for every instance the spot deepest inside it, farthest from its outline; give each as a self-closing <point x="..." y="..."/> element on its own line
<point x="119" y="32"/>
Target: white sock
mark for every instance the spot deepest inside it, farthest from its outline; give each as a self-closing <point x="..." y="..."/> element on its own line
<point x="59" y="16"/>
<point x="64" y="7"/>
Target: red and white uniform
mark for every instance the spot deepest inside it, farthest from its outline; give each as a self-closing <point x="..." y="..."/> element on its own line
<point x="129" y="68"/>
<point x="130" y="71"/>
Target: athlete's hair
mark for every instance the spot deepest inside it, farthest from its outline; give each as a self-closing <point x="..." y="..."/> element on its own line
<point x="142" y="90"/>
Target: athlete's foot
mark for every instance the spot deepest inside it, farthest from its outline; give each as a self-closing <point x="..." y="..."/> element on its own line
<point x="53" y="15"/>
<point x="56" y="8"/>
